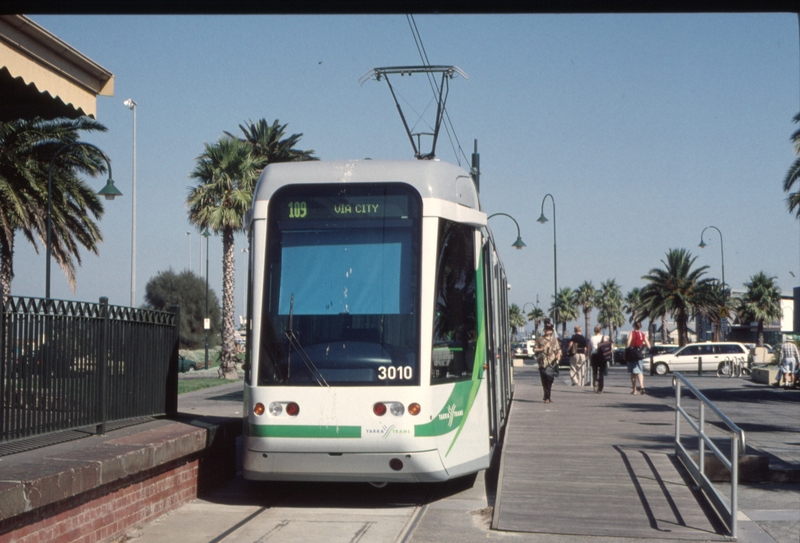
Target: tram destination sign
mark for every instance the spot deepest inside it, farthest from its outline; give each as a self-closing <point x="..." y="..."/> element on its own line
<point x="309" y="208"/>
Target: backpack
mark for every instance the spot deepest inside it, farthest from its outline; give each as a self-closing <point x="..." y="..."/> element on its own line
<point x="606" y="348"/>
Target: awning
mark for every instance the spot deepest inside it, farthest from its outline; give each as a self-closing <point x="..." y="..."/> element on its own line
<point x="40" y="75"/>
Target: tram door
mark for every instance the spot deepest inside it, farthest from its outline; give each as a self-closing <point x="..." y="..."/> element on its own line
<point x="491" y="324"/>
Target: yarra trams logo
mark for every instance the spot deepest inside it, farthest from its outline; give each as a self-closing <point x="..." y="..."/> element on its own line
<point x="451" y="414"/>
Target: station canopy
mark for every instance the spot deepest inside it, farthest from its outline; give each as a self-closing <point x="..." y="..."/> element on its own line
<point x="42" y="76"/>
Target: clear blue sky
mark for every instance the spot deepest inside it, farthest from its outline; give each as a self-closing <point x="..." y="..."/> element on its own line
<point x="644" y="128"/>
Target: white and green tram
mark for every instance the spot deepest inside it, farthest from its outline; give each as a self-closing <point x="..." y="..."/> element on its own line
<point x="378" y="345"/>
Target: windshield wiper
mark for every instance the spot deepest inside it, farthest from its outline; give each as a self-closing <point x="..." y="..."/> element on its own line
<point x="294" y="342"/>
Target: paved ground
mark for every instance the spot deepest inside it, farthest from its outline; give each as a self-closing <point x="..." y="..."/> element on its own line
<point x="767" y="512"/>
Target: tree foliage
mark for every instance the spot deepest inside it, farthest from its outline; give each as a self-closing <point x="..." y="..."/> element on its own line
<point x="676" y="289"/>
<point x="187" y="290"/>
<point x="760" y="303"/>
<point x="26" y="149"/>
<point x="793" y="200"/>
<point x="515" y="319"/>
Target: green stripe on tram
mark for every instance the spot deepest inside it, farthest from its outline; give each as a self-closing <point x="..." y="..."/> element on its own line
<point x="308" y="431"/>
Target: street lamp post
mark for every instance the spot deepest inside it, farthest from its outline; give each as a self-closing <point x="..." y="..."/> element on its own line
<point x="722" y="256"/>
<point x="109" y="192"/>
<point x="526" y="305"/>
<point x="519" y="244"/>
<point x="130" y="104"/>
<point x="206" y="322"/>
<point x="189" y="237"/>
<point x="542" y="219"/>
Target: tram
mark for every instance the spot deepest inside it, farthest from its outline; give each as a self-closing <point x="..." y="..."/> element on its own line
<point x="378" y="347"/>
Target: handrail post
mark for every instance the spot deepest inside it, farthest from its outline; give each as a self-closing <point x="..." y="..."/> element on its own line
<point x="734" y="482"/>
<point x="677" y="383"/>
<point x="701" y="454"/>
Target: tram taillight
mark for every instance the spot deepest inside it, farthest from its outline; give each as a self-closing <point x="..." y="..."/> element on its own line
<point x="395" y="408"/>
<point x="277" y="408"/>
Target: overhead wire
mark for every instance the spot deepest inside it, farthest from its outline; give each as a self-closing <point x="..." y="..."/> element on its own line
<point x="424" y="57"/>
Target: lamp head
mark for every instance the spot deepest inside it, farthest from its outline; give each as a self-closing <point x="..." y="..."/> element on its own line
<point x="702" y="244"/>
<point x="109" y="191"/>
<point x="542" y="219"/>
<point x="205" y="233"/>
<point x="130" y="104"/>
<point x="519" y="244"/>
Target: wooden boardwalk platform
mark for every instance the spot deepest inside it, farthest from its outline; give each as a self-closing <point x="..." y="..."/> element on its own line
<point x="594" y="465"/>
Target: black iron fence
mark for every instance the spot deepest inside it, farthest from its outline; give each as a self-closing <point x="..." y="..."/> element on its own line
<point x="80" y="366"/>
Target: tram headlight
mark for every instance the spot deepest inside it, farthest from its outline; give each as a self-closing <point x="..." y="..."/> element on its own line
<point x="397" y="409"/>
<point x="275" y="408"/>
<point x="414" y="409"/>
<point x="258" y="409"/>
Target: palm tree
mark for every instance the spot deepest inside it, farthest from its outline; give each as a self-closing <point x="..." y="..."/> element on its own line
<point x="26" y="149"/>
<point x="631" y="305"/>
<point x="565" y="305"/>
<point x="227" y="172"/>
<point x="760" y="303"/>
<point x="609" y="304"/>
<point x="536" y="315"/>
<point x="677" y="289"/>
<point x="716" y="304"/>
<point x="793" y="201"/>
<point x="515" y="319"/>
<point x="585" y="299"/>
<point x="265" y="141"/>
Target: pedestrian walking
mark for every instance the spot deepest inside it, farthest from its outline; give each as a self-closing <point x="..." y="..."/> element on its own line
<point x="634" y="354"/>
<point x="598" y="359"/>
<point x="576" y="349"/>
<point x="548" y="353"/>
<point x="789" y="361"/>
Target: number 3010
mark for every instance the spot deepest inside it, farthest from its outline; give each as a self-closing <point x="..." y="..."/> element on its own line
<point x="392" y="373"/>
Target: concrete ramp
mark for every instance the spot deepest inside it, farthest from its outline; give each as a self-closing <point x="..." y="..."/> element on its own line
<point x="594" y="465"/>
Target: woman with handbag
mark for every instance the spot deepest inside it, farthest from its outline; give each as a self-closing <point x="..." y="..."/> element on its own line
<point x="548" y="353"/>
<point x="634" y="354"/>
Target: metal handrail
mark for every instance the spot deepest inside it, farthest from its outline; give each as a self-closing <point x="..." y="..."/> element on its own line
<point x="727" y="512"/>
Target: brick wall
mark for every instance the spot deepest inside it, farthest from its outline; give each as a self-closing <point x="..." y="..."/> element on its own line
<point x="107" y="511"/>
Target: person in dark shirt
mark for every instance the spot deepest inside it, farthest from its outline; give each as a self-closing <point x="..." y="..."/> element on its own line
<point x="577" y="357"/>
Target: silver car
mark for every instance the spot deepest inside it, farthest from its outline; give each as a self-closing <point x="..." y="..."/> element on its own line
<point x="687" y="357"/>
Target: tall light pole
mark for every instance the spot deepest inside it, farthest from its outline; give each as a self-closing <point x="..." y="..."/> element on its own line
<point x="722" y="257"/>
<point x="189" y="237"/>
<point x="542" y="219"/>
<point x="109" y="192"/>
<point x="519" y="244"/>
<point x="206" y="322"/>
<point x="130" y="104"/>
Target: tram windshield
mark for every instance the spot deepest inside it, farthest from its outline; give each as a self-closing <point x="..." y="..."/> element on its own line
<point x="341" y="286"/>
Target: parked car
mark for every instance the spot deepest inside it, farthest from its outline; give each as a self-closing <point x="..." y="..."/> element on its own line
<point x="184" y="364"/>
<point x="686" y="358"/>
<point x="660" y="348"/>
<point x="657" y="349"/>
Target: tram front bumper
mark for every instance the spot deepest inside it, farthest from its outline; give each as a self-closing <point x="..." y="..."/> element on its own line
<point x="418" y="467"/>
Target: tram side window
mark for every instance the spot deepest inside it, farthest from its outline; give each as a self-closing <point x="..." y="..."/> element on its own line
<point x="455" y="313"/>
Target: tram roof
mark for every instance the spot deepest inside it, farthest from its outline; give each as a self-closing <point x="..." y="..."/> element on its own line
<point x="432" y="178"/>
